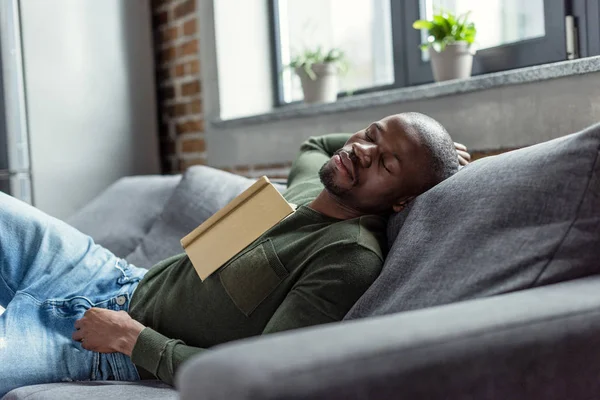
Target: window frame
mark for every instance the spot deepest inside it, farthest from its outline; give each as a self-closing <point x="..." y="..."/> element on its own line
<point x="278" y="67"/>
<point x="549" y="48"/>
<point x="411" y="70"/>
<point x="587" y="15"/>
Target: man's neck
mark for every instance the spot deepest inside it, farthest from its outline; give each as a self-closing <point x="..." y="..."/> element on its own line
<point x="331" y="206"/>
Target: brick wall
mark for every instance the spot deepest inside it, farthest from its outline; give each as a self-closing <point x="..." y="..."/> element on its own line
<point x="179" y="86"/>
<point x="181" y="121"/>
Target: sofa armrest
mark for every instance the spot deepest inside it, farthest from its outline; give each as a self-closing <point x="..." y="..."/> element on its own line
<point x="538" y="343"/>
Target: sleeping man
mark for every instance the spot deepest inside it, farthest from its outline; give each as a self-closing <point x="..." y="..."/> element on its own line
<point x="75" y="311"/>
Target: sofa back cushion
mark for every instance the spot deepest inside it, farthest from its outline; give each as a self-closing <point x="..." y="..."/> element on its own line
<point x="122" y="215"/>
<point x="201" y="192"/>
<point x="521" y="219"/>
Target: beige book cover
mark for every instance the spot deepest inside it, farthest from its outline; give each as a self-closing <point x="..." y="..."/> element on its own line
<point x="235" y="226"/>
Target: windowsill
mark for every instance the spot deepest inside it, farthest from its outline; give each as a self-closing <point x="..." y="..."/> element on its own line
<point x="412" y="93"/>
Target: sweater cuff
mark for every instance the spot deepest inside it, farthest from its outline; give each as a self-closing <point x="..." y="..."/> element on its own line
<point x="148" y="350"/>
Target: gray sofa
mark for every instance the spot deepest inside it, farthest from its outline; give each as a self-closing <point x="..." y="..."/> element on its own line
<point x="489" y="290"/>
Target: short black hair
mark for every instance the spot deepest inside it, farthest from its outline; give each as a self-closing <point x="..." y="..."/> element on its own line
<point x="441" y="152"/>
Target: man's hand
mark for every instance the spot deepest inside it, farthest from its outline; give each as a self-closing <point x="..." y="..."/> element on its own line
<point x="463" y="155"/>
<point x="107" y="331"/>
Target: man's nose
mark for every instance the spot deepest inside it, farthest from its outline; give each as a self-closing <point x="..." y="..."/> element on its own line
<point x="364" y="152"/>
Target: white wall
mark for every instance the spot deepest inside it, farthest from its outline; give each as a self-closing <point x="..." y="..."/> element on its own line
<point x="243" y="56"/>
<point x="89" y="80"/>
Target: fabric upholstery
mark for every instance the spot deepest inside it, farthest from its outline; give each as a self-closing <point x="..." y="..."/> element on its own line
<point x="526" y="218"/>
<point x="101" y="390"/>
<point x="201" y="192"/>
<point x="542" y="343"/>
<point x="120" y="217"/>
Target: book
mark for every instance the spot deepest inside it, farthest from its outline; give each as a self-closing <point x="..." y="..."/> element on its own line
<point x="231" y="229"/>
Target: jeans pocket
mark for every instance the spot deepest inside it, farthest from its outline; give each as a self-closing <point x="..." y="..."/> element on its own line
<point x="59" y="316"/>
<point x="68" y="308"/>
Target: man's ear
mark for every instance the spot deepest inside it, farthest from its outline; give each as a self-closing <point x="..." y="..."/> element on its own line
<point x="399" y="206"/>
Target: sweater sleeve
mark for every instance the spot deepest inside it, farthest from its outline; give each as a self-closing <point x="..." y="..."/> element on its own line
<point x="330" y="286"/>
<point x="315" y="152"/>
<point x="160" y="355"/>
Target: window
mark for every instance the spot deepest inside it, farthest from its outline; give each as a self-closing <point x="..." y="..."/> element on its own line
<point x="504" y="21"/>
<point x="383" y="48"/>
<point x="500" y="21"/>
<point x="363" y="31"/>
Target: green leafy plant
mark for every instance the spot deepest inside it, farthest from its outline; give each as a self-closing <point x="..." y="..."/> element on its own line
<point x="308" y="58"/>
<point x="445" y="28"/>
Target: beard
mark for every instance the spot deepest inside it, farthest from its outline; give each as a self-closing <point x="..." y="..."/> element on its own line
<point x="327" y="177"/>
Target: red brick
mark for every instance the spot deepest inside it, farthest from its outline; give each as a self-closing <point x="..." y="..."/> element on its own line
<point x="189" y="27"/>
<point x="169" y="34"/>
<point x="197" y="125"/>
<point x="193" y="146"/>
<point x="180" y="110"/>
<point x="166" y="55"/>
<point x="195" y="107"/>
<point x="189" y="48"/>
<point x="194" y="67"/>
<point x="185" y="8"/>
<point x="190" y="127"/>
<point x="190" y="88"/>
<point x="180" y="70"/>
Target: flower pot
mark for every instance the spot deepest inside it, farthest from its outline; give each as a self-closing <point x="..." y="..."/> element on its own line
<point x="454" y="62"/>
<point x="323" y="89"/>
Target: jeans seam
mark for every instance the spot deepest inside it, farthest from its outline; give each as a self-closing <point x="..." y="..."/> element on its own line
<point x="7" y="285"/>
<point x="32" y="297"/>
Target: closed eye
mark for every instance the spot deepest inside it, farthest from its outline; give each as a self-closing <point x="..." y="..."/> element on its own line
<point x="369" y="138"/>
<point x="383" y="164"/>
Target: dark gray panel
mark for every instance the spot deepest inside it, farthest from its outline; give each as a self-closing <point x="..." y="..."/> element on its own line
<point x="5" y="185"/>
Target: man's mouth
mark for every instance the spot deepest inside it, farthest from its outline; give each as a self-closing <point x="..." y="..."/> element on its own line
<point x="344" y="163"/>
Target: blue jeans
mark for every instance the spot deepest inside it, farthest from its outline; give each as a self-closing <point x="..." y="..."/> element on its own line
<point x="50" y="274"/>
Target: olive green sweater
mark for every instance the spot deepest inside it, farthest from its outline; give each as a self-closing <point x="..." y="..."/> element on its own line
<point x="308" y="269"/>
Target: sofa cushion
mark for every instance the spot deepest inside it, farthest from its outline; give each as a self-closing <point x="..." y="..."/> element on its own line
<point x="144" y="390"/>
<point x="121" y="216"/>
<point x="526" y="218"/>
<point x="201" y="192"/>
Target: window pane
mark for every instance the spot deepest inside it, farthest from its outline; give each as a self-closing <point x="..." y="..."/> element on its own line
<point x="361" y="28"/>
<point x="498" y="22"/>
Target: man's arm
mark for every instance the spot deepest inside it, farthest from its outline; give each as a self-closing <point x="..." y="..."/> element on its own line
<point x="108" y="331"/>
<point x="332" y="283"/>
<point x="315" y="152"/>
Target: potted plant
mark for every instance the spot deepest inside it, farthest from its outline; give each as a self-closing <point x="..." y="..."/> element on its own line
<point x="450" y="44"/>
<point x="318" y="72"/>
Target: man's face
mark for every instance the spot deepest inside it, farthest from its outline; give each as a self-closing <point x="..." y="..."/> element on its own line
<point x="378" y="167"/>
